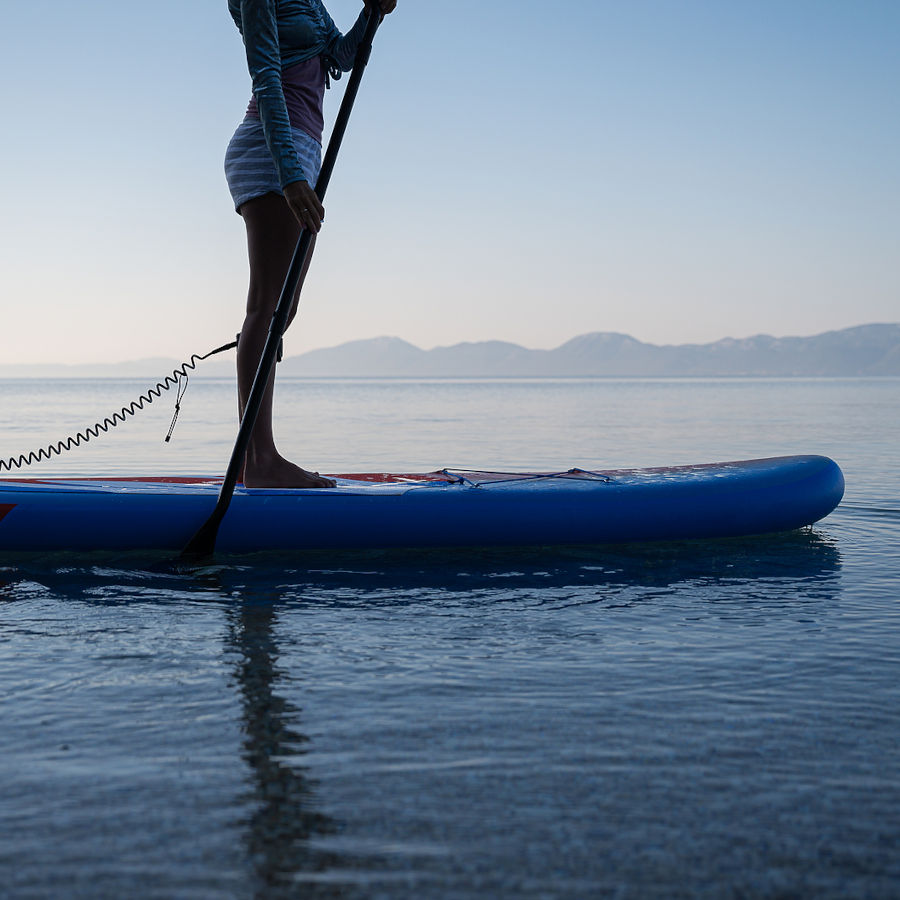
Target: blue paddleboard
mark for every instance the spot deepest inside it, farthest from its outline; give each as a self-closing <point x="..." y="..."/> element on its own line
<point x="439" y="509"/>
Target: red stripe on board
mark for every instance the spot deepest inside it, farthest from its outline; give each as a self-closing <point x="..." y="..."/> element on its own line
<point x="148" y="479"/>
<point x="174" y="479"/>
<point x="6" y="508"/>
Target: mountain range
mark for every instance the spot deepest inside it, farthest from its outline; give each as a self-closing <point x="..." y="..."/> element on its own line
<point x="858" y="351"/>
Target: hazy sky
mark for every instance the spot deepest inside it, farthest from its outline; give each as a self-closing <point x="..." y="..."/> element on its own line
<point x="679" y="170"/>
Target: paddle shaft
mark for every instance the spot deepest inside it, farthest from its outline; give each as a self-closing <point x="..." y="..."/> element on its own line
<point x="203" y="543"/>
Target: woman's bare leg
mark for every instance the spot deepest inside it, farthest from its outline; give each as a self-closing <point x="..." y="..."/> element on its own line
<point x="272" y="235"/>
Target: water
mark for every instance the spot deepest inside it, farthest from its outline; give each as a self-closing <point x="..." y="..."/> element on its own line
<point x="708" y="719"/>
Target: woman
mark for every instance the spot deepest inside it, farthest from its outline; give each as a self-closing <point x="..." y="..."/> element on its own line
<point x="272" y="164"/>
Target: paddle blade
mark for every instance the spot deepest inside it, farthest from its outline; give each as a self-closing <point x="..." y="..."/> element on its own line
<point x="203" y="544"/>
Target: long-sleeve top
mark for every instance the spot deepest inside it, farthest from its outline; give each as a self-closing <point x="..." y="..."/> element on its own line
<point x="277" y="35"/>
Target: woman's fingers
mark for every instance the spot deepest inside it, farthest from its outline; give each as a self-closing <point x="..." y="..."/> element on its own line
<point x="305" y="205"/>
<point x="386" y="6"/>
<point x="308" y="217"/>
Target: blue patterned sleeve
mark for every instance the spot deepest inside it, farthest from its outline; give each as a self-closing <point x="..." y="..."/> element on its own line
<point x="341" y="48"/>
<point x="259" y="26"/>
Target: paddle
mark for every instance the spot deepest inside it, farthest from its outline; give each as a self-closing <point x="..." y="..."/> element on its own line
<point x="203" y="543"/>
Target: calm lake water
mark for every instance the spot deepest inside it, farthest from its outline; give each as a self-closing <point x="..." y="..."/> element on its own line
<point x="708" y="719"/>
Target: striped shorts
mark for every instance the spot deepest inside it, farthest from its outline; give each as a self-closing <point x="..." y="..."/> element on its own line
<point x="249" y="168"/>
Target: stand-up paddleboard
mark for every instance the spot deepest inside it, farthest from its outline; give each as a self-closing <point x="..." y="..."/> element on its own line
<point x="450" y="508"/>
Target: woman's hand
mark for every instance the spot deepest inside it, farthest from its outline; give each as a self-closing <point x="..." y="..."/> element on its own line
<point x="384" y="6"/>
<point x="305" y="205"/>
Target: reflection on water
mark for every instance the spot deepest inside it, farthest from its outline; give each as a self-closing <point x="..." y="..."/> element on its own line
<point x="805" y="564"/>
<point x="282" y="815"/>
<point x="362" y="576"/>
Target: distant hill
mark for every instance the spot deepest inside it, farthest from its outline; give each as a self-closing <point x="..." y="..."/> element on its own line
<point x="863" y="350"/>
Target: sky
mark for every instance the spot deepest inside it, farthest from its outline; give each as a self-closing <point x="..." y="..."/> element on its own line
<point x="676" y="170"/>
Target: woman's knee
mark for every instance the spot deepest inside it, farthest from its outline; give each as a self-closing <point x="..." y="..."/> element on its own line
<point x="262" y="298"/>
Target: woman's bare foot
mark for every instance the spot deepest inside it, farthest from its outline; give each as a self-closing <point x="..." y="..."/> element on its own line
<point x="277" y="472"/>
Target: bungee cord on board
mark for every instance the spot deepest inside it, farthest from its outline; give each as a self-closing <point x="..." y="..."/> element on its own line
<point x="178" y="377"/>
<point x="468" y="476"/>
